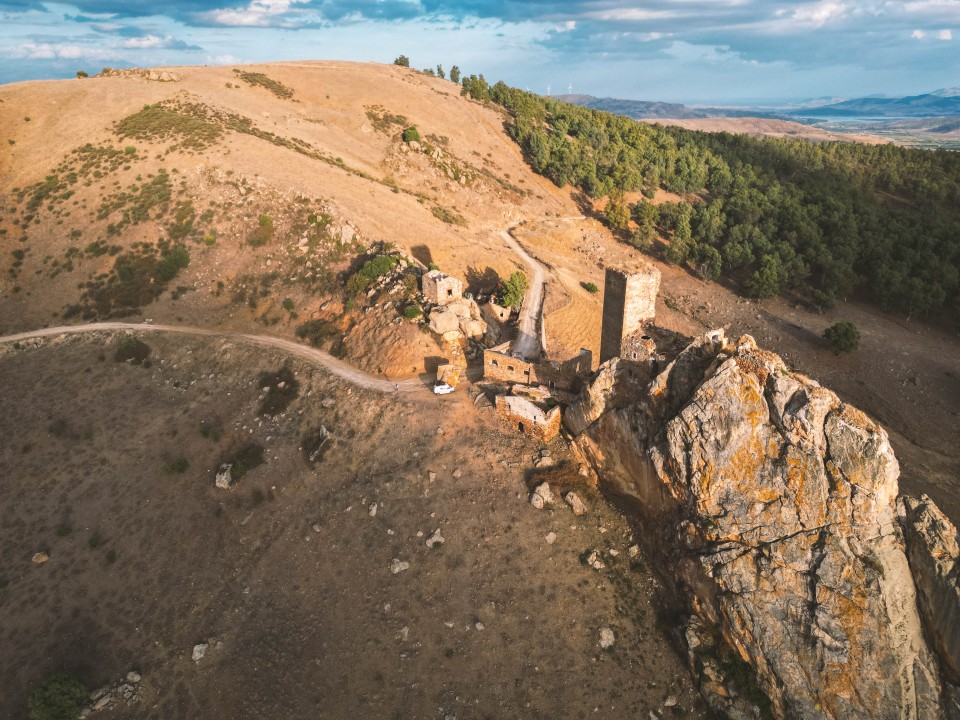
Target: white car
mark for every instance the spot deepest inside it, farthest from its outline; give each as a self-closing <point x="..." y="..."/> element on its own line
<point x="442" y="389"/>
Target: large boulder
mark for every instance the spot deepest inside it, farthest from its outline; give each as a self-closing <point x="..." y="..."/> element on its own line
<point x="934" y="555"/>
<point x="442" y="322"/>
<point x="474" y="329"/>
<point x="772" y="503"/>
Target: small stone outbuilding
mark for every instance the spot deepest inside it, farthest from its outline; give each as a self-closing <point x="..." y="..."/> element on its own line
<point x="567" y="375"/>
<point x="440" y="289"/>
<point x="529" y="417"/>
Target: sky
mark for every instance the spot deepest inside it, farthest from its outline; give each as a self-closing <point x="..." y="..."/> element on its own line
<point x="692" y="51"/>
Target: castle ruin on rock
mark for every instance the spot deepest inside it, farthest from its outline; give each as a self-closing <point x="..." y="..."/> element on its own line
<point x="629" y="305"/>
<point x="440" y="289"/>
<point x="771" y="507"/>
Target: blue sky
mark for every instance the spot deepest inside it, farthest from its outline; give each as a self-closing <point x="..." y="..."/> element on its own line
<point x="694" y="51"/>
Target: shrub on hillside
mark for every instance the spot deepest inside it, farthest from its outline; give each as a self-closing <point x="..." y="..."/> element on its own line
<point x="370" y="271"/>
<point x="261" y="236"/>
<point x="60" y="696"/>
<point x="411" y="134"/>
<point x="843" y="337"/>
<point x="132" y="349"/>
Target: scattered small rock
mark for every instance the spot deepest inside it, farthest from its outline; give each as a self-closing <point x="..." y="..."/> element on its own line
<point x="606" y="638"/>
<point x="432" y="476"/>
<point x="435" y="540"/>
<point x="633" y="550"/>
<point x="321" y="439"/>
<point x="480" y="626"/>
<point x="372" y="510"/>
<point x="199" y="651"/>
<point x="133" y="677"/>
<point x="224" y="479"/>
<point x="593" y="560"/>
<point x="457" y="473"/>
<point x="542" y="496"/>
<point x="398" y="566"/>
<point x="40" y="558"/>
<point x="670" y="701"/>
<point x="575" y="503"/>
<point x="316" y="527"/>
<point x="551" y="538"/>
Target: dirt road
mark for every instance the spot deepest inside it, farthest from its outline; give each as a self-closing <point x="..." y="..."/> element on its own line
<point x="335" y="366"/>
<point x="528" y="345"/>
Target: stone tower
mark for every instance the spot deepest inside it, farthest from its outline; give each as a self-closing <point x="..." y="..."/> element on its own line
<point x="629" y="301"/>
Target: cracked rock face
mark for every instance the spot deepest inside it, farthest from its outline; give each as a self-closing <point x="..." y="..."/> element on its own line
<point x="772" y="506"/>
<point x="934" y="552"/>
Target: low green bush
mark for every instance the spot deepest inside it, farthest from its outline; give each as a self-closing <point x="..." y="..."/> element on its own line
<point x="61" y="696"/>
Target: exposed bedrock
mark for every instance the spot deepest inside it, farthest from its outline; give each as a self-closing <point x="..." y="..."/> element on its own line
<point x="934" y="554"/>
<point x="771" y="508"/>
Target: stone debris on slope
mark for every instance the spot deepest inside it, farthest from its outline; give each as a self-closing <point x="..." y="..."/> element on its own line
<point x="542" y="496"/>
<point x="575" y="503"/>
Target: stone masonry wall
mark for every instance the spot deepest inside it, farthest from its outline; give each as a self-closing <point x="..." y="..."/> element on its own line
<point x="629" y="301"/>
<point x="501" y="367"/>
<point x="524" y="416"/>
<point x="440" y="289"/>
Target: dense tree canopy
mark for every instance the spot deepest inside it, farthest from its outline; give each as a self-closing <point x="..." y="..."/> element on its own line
<point x="824" y="219"/>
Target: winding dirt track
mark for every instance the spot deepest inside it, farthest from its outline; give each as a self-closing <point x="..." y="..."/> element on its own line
<point x="335" y="366"/>
<point x="527" y="345"/>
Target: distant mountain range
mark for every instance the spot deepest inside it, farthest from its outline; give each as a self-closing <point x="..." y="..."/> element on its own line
<point x="939" y="103"/>
<point x="651" y="110"/>
<point x="935" y="104"/>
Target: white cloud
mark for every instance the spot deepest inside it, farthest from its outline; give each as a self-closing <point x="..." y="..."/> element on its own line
<point x="258" y="13"/>
<point x="631" y="14"/>
<point x="223" y="60"/>
<point x="57" y="51"/>
<point x="819" y="14"/>
<point x="932" y="6"/>
<point x="918" y="34"/>
<point x="147" y="42"/>
<point x="945" y="35"/>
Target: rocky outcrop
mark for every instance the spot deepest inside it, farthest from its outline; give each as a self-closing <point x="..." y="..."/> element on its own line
<point x="771" y="506"/>
<point x="458" y="319"/>
<point x="934" y="554"/>
<point x="153" y="74"/>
